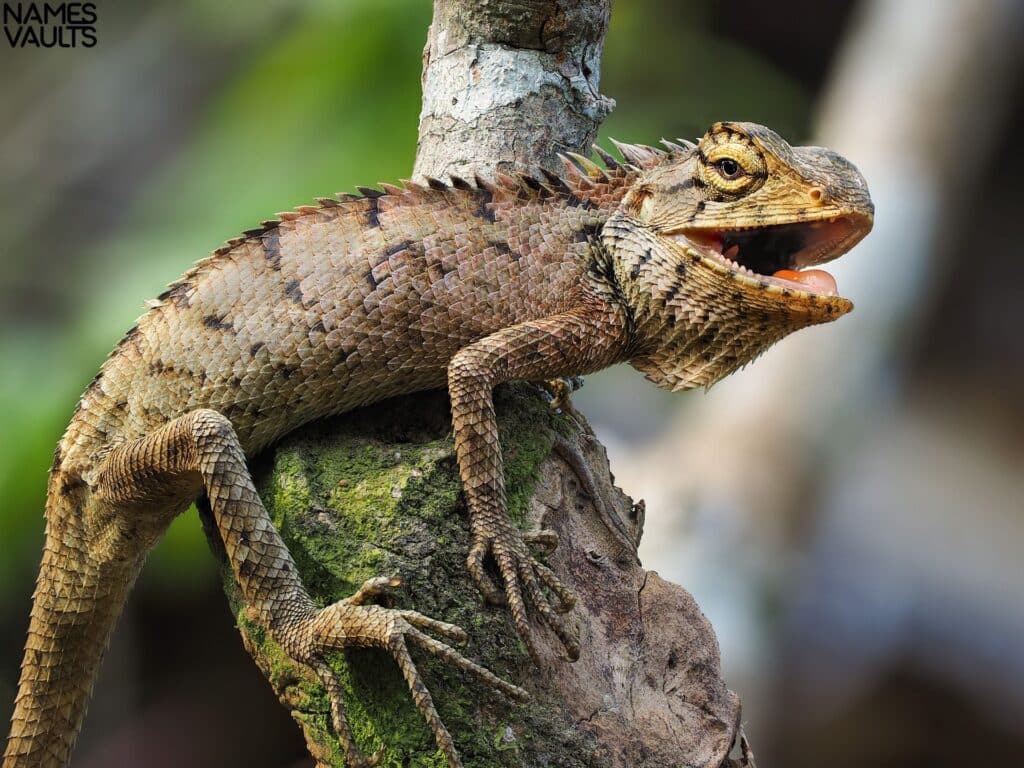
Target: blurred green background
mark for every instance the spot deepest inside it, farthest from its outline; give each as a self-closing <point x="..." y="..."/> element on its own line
<point x="191" y="121"/>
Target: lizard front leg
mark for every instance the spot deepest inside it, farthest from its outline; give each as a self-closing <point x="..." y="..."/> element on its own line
<point x="581" y="340"/>
<point x="199" y="452"/>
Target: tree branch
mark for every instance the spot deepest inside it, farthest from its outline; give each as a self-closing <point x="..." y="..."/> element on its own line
<point x="509" y="85"/>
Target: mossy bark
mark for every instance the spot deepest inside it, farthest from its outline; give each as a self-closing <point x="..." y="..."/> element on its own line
<point x="377" y="492"/>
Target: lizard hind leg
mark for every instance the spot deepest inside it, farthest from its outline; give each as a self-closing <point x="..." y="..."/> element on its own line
<point x="202" y="445"/>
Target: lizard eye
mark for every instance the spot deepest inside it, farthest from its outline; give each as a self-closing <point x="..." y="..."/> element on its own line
<point x="728" y="168"/>
<point x="731" y="168"/>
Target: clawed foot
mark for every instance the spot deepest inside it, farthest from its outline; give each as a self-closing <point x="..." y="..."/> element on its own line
<point x="354" y="623"/>
<point x="524" y="575"/>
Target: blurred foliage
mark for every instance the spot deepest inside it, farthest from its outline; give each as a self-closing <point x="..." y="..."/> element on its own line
<point x="671" y="77"/>
<point x="327" y="99"/>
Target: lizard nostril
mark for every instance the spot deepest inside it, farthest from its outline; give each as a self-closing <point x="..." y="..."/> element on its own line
<point x="818" y="194"/>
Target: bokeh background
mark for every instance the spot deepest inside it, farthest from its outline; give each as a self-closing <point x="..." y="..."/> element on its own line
<point x="849" y="510"/>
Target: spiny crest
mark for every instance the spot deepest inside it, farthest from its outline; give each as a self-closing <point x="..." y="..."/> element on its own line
<point x="640" y="155"/>
<point x="583" y="178"/>
<point x="679" y="146"/>
<point x="590" y="169"/>
<point x="637" y="157"/>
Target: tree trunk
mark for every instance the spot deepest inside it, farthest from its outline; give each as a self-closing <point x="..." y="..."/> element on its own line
<point x="377" y="491"/>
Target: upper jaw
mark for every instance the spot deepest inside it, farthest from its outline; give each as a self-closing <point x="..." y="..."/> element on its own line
<point x="772" y="255"/>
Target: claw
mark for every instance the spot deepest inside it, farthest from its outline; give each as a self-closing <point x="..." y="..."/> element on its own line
<point x="546" y="538"/>
<point x="475" y="563"/>
<point x="374" y="588"/>
<point x="529" y="579"/>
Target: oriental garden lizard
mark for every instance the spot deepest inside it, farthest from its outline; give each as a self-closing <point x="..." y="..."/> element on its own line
<point x="685" y="262"/>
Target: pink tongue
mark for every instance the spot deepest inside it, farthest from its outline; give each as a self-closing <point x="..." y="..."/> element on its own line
<point x="814" y="280"/>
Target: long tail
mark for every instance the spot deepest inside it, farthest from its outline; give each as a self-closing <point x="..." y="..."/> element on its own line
<point x="74" y="608"/>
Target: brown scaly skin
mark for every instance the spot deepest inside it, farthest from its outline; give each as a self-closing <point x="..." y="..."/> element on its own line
<point x="365" y="297"/>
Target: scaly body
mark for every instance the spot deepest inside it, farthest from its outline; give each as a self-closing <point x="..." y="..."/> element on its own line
<point x="365" y="297"/>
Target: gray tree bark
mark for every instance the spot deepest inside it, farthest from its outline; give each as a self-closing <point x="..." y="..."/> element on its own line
<point x="377" y="492"/>
<point x="510" y="84"/>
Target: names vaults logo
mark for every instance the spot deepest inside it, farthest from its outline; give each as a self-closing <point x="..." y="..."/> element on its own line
<point x="46" y="25"/>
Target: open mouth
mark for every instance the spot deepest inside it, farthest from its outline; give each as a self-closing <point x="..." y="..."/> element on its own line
<point x="779" y="254"/>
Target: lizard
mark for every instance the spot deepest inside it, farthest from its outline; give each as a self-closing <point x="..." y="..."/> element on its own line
<point x="685" y="262"/>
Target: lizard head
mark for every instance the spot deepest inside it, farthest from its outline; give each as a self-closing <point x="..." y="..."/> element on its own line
<point x="730" y="234"/>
